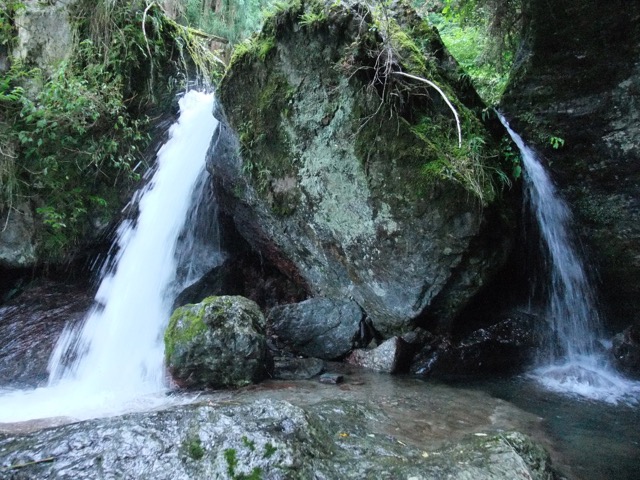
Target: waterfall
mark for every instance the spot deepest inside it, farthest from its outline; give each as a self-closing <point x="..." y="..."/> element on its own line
<point x="116" y="356"/>
<point x="572" y="360"/>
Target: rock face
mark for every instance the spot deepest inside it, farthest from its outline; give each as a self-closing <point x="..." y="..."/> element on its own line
<point x="347" y="175"/>
<point x="219" y="342"/>
<point x="265" y="439"/>
<point x="45" y="33"/>
<point x="319" y="327"/>
<point x="17" y="238"/>
<point x="31" y="324"/>
<point x="579" y="79"/>
<point x="290" y="368"/>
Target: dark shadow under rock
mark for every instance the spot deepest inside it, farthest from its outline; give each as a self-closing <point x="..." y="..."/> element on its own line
<point x="505" y="347"/>
<point x="243" y="272"/>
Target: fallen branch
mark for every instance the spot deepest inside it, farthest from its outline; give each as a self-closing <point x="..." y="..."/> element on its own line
<point x="446" y="100"/>
<point x="210" y="36"/>
<point x="28" y="464"/>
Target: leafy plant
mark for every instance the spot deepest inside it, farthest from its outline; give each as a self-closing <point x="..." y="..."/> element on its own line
<point x="7" y="20"/>
<point x="230" y="455"/>
<point x="556" y="142"/>
<point x="194" y="449"/>
<point x="511" y="157"/>
<point x="312" y="19"/>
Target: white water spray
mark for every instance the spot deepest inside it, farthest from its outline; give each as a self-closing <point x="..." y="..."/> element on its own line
<point x="573" y="362"/>
<point x="116" y="357"/>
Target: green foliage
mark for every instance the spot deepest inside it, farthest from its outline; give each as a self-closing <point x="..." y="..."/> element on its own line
<point x="482" y="35"/>
<point x="185" y="324"/>
<point x="313" y="18"/>
<point x="269" y="450"/>
<point x="468" y="43"/>
<point x="470" y="166"/>
<point x="80" y="132"/>
<point x="7" y="20"/>
<point x="234" y="20"/>
<point x="511" y="156"/>
<point x="556" y="142"/>
<point x="250" y="444"/>
<point x="255" y="47"/>
<point x="194" y="449"/>
<point x="231" y="457"/>
<point x="501" y="19"/>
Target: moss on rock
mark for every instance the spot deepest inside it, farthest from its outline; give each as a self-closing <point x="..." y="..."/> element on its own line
<point x="219" y="342"/>
<point x="350" y="170"/>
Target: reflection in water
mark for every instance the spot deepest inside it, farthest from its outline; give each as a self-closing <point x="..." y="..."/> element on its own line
<point x="589" y="440"/>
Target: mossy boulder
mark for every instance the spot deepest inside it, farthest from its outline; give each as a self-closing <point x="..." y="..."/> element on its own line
<point x="347" y="173"/>
<point x="216" y="343"/>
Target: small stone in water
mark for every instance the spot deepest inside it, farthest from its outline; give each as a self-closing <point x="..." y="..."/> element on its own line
<point x="331" y="378"/>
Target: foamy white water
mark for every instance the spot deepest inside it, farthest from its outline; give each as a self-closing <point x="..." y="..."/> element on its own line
<point x="114" y="362"/>
<point x="572" y="362"/>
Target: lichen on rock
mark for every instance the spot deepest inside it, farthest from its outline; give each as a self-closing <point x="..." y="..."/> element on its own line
<point x="349" y="176"/>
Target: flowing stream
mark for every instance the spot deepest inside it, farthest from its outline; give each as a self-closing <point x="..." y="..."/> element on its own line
<point x="114" y="361"/>
<point x="572" y="361"/>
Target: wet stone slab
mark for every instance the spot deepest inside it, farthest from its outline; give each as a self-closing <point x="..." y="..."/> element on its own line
<point x="370" y="426"/>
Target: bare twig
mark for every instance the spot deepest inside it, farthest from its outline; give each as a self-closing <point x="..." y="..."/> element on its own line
<point x="442" y="94"/>
<point x="27" y="464"/>
<point x="146" y="40"/>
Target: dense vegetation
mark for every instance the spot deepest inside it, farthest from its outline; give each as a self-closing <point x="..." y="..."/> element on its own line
<point x="482" y="35"/>
<point x="73" y="138"/>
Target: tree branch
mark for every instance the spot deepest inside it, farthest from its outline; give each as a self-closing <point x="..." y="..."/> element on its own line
<point x="439" y="90"/>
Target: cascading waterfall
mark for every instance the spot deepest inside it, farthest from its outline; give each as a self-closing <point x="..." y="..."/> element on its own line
<point x="573" y="361"/>
<point x="116" y="357"/>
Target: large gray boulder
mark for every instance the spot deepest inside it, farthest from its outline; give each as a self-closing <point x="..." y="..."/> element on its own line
<point x="265" y="439"/>
<point x="349" y="178"/>
<point x="318" y="327"/>
<point x="218" y="342"/>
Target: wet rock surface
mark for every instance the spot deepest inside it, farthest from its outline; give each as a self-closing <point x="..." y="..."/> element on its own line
<point x="218" y="342"/>
<point x="30" y="325"/>
<point x="392" y="356"/>
<point x="626" y="350"/>
<point x="291" y="368"/>
<point x="318" y="327"/>
<point x="359" y="429"/>
<point x="505" y="347"/>
<point x="330" y="192"/>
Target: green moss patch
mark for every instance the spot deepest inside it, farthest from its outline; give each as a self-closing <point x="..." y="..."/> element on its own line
<point x="184" y="325"/>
